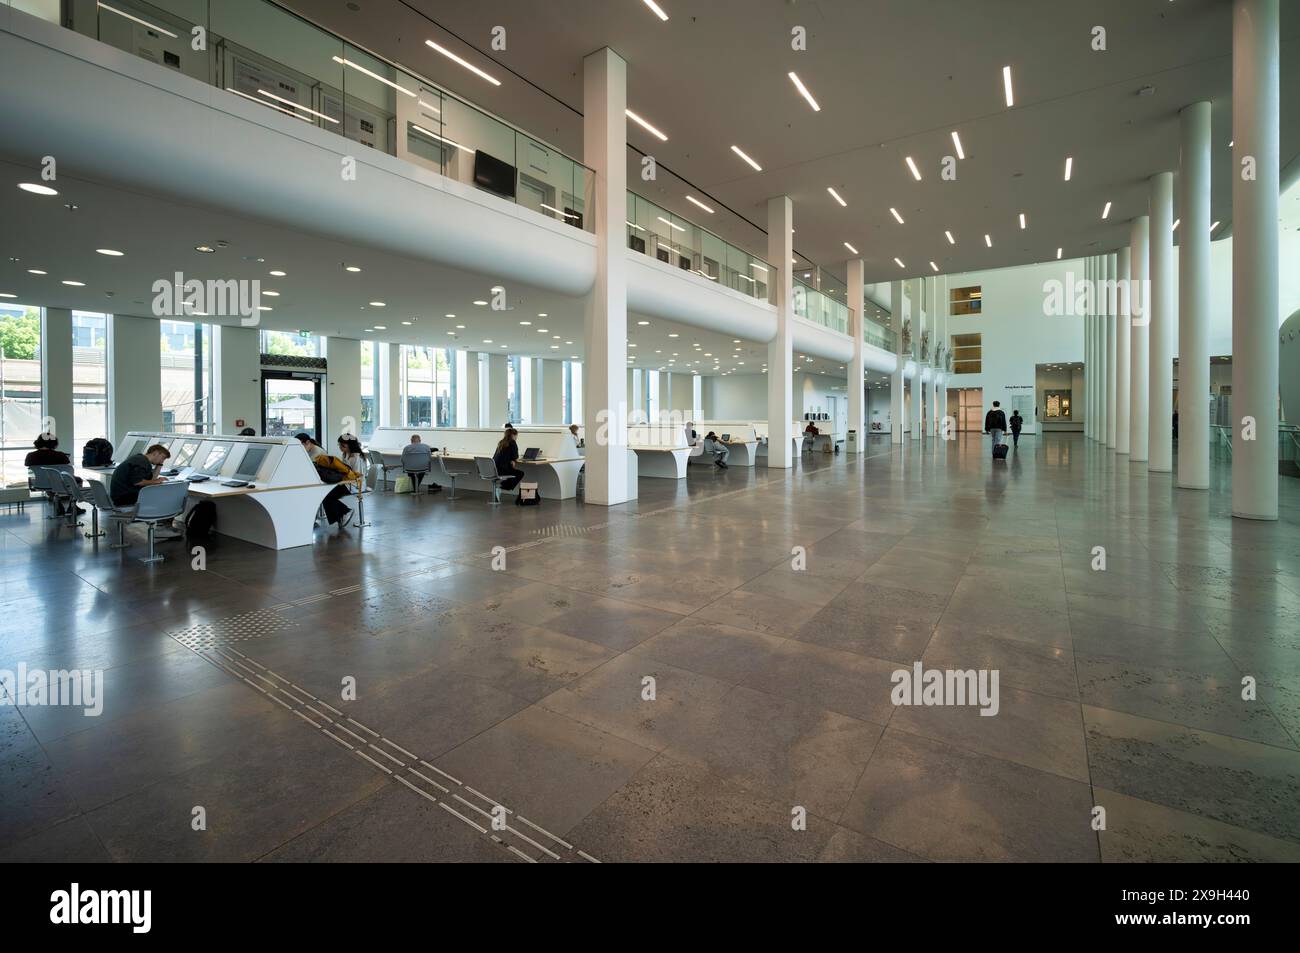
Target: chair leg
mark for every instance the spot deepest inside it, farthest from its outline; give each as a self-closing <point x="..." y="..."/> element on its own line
<point x="496" y="494"/>
<point x="121" y="536"/>
<point x="152" y="557"/>
<point x="452" y="496"/>
<point x="361" y="511"/>
<point x="94" y="521"/>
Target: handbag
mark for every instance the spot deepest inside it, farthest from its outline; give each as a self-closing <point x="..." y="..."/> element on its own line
<point x="404" y="484"/>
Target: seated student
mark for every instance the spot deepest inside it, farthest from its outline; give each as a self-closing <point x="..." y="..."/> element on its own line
<point x="46" y="455"/>
<point x="350" y="452"/>
<point x="505" y="457"/>
<point x="692" y="438"/>
<point x="573" y="429"/>
<point x="135" y="473"/>
<point x="716" y="447"/>
<point x="335" y="510"/>
<point x="417" y="456"/>
<point x="811" y="430"/>
<point x="248" y="432"/>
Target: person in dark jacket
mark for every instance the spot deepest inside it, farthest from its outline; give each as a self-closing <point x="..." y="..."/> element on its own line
<point x="1017" y="422"/>
<point x="46" y="453"/>
<point x="995" y="423"/>
<point x="505" y="457"/>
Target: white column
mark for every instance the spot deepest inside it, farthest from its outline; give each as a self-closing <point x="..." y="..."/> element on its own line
<point x="1139" y="417"/>
<point x="918" y="385"/>
<point x="472" y="387"/>
<point x="1123" y="345"/>
<point x="56" y="381"/>
<point x="498" y="391"/>
<point x="896" y="381"/>
<point x="1112" y="356"/>
<point x="780" y="351"/>
<point x="932" y="395"/>
<point x="553" y="392"/>
<point x="134" y="375"/>
<point x="1254" y="257"/>
<point x="857" y="396"/>
<point x="1194" y="299"/>
<point x="605" y="374"/>
<point x="389" y="397"/>
<point x="1160" y="381"/>
<point x="237" y="378"/>
<point x="1089" y="367"/>
<point x="342" y="413"/>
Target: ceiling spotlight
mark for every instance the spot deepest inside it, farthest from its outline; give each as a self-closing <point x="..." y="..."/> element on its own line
<point x="836" y="196"/>
<point x="756" y="167"/>
<point x="481" y="304"/>
<point x="37" y="189"/>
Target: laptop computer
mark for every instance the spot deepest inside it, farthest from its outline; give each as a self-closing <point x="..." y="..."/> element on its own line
<point x="726" y="438"/>
<point x="532" y="453"/>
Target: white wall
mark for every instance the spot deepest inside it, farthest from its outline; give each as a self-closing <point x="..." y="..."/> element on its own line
<point x="342" y="390"/>
<point x="134" y="375"/>
<point x="237" y="376"/>
<point x="735" y="397"/>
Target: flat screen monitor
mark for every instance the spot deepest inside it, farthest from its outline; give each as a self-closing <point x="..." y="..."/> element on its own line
<point x="494" y="175"/>
<point x="216" y="456"/>
<point x="251" y="463"/>
<point x="186" y="454"/>
<point x="133" y="449"/>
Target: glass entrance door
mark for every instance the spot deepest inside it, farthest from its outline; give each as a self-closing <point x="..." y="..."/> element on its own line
<point x="290" y="404"/>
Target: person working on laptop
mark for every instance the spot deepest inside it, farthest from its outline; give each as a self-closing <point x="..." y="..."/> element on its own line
<point x="716" y="447"/>
<point x="417" y="457"/>
<point x="506" y="455"/>
<point x="135" y="473"/>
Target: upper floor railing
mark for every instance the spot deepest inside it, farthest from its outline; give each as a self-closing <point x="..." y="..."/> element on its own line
<point x="265" y="54"/>
<point x="820" y="308"/>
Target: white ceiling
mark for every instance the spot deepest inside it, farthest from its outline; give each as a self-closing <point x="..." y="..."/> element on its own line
<point x="317" y="294"/>
<point x="893" y="78"/>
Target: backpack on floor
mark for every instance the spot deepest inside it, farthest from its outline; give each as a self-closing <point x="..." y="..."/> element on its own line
<point x="200" y="520"/>
<point x="528" y="495"/>
<point x="97" y="452"/>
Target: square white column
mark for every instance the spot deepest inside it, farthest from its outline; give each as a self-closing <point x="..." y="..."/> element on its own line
<point x="856" y="385"/>
<point x="780" y="350"/>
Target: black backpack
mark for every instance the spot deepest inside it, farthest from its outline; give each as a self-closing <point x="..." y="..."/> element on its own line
<point x="200" y="520"/>
<point x="97" y="452"/>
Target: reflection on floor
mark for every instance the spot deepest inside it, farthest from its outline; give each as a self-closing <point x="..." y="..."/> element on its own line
<point x="657" y="682"/>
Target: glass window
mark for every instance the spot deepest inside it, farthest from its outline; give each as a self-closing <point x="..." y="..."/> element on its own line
<point x="573" y="405"/>
<point x="186" y="355"/>
<point x="20" y="387"/>
<point x="428" y="387"/>
<point x="291" y="345"/>
<point x="966" y="300"/>
<point x="370" y="389"/>
<point x="513" y="402"/>
<point x="89" y="375"/>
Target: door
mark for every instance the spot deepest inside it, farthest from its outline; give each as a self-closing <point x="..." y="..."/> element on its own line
<point x="291" y="404"/>
<point x="972" y="409"/>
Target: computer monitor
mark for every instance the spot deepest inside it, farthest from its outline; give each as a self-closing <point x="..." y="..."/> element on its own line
<point x="251" y="463"/>
<point x="216" y="456"/>
<point x="532" y="452"/>
<point x="186" y="454"/>
<point x="131" y="451"/>
<point x="726" y="437"/>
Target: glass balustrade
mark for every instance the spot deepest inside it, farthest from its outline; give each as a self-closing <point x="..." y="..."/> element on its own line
<point x="264" y="54"/>
<point x="820" y="308"/>
<point x="880" y="336"/>
<point x="654" y="231"/>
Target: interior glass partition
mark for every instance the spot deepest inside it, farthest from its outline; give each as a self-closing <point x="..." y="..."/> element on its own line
<point x="263" y="53"/>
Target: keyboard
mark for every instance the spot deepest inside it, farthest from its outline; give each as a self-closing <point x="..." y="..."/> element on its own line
<point x="236" y="483"/>
<point x="199" y="479"/>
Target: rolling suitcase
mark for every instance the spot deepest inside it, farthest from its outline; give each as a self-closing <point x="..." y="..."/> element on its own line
<point x="1000" y="451"/>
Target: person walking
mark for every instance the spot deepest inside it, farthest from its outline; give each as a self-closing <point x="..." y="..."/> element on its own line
<point x="995" y="423"/>
<point x="1017" y="423"/>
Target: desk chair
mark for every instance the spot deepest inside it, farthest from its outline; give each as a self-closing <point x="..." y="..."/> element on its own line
<point x="112" y="512"/>
<point x="377" y="464"/>
<point x="423" y="472"/>
<point x="368" y="486"/>
<point x="807" y="445"/>
<point x="81" y="494"/>
<point x="156" y="504"/>
<point x="439" y="468"/>
<point x="44" y="480"/>
<point x="487" y="470"/>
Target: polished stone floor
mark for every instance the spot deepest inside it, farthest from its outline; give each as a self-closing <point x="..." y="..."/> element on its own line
<point x="657" y="682"/>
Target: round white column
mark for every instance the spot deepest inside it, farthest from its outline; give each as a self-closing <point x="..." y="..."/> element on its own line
<point x="1194" y="300"/>
<point x="1089" y="367"/>
<point x="1123" y="344"/>
<point x="1254" y="257"/>
<point x="1140" y="318"/>
<point x="1160" y="374"/>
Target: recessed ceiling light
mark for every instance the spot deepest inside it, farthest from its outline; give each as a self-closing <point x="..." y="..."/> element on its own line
<point x="481" y="303"/>
<point x="894" y="212"/>
<point x="460" y="327"/>
<point x="35" y="271"/>
<point x="1022" y="219"/>
<point x="263" y="307"/>
<point x="6" y="294"/>
<point x="1069" y="167"/>
<point x="756" y="167"/>
<point x="352" y="268"/>
<point x="276" y="274"/>
<point x="1105" y="213"/>
<point x="75" y="284"/>
<point x="643" y="323"/>
<point x="803" y="91"/>
<point x="850" y="248"/>
<point x="290" y="103"/>
<point x="526" y="323"/>
<point x="1058" y="254"/>
<point x="543" y="330"/>
<point x="271" y="294"/>
<point x="554" y="347"/>
<point x="658" y="11"/>
<point x="487" y="340"/>
<point x="1006" y="86"/>
<point x="542" y="314"/>
<point x="1176" y="221"/>
<point x="378" y="304"/>
<point x="645" y="125"/>
<point x="37" y="189"/>
<point x="110" y="252"/>
<point x="836" y="196"/>
<point x="988" y="240"/>
<point x="934" y="266"/>
<point x="1214" y="226"/>
<point x="205" y="249"/>
<point x="694" y="201"/>
<point x="900" y="263"/>
<point x="916" y="173"/>
<point x="956" y="141"/>
<point x="672" y="335"/>
<point x="948" y="235"/>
